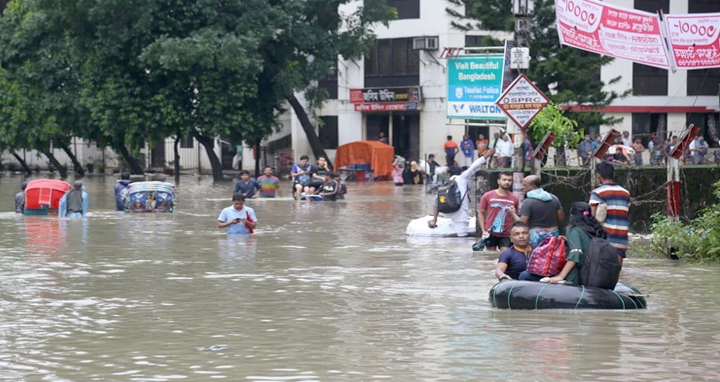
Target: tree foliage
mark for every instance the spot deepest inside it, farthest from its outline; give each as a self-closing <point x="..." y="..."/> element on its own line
<point x="129" y="72"/>
<point x="551" y="118"/>
<point x="697" y="241"/>
<point x="570" y="77"/>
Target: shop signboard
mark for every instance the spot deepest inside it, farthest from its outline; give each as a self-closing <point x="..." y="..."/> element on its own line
<point x="389" y="94"/>
<point x="474" y="84"/>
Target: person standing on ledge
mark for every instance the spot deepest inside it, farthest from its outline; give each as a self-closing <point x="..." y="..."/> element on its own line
<point x="238" y="218"/>
<point x="74" y="204"/>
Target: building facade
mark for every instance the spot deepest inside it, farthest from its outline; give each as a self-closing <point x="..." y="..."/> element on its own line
<point x="660" y="102"/>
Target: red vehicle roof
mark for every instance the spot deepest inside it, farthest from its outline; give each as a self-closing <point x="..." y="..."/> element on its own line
<point x="45" y="192"/>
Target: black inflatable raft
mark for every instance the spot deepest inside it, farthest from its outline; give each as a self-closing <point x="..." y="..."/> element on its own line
<point x="514" y="294"/>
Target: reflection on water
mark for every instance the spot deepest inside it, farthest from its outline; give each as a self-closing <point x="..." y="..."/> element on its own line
<point x="323" y="292"/>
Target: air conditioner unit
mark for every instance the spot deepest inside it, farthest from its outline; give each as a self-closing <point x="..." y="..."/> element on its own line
<point x="425" y="43"/>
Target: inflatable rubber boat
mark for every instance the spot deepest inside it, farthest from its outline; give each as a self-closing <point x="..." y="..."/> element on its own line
<point x="419" y="227"/>
<point x="515" y="294"/>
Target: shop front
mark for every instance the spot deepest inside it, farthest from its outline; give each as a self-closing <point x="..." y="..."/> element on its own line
<point x="394" y="112"/>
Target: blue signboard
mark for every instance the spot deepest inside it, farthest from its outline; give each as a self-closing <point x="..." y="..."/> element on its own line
<point x="474" y="84"/>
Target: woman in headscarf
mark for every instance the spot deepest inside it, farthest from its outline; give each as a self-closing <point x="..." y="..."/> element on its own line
<point x="416" y="175"/>
<point x="582" y="226"/>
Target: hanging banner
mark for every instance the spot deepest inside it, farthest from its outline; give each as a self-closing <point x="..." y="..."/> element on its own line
<point x="694" y="40"/>
<point x="612" y="31"/>
<point x="474" y="83"/>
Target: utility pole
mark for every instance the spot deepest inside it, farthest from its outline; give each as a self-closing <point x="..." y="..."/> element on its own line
<point x="520" y="62"/>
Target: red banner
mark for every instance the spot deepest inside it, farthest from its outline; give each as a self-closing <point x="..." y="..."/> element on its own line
<point x="694" y="40"/>
<point x="612" y="31"/>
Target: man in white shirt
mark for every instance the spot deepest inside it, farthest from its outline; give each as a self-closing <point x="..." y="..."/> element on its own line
<point x="460" y="217"/>
<point x="505" y="151"/>
<point x="626" y="141"/>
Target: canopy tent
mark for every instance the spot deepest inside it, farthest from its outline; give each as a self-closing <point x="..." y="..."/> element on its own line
<point x="375" y="153"/>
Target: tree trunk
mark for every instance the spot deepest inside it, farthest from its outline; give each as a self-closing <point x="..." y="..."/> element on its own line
<point x="22" y="162"/>
<point x="176" y="159"/>
<point x="313" y="139"/>
<point x="78" y="167"/>
<point x="560" y="157"/>
<point x="209" y="145"/>
<point x="54" y="162"/>
<point x="257" y="158"/>
<point x="135" y="167"/>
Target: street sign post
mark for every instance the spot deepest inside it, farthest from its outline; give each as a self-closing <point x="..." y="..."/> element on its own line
<point x="522" y="101"/>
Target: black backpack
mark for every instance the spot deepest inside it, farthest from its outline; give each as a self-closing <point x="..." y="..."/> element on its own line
<point x="601" y="268"/>
<point x="448" y="197"/>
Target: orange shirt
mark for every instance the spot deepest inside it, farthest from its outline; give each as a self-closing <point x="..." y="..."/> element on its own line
<point x="450" y="144"/>
<point x="481" y="146"/>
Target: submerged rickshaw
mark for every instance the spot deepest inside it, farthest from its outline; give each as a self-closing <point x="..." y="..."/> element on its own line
<point x="42" y="196"/>
<point x="150" y="197"/>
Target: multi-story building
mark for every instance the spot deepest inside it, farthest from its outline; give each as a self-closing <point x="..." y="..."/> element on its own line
<point x="661" y="101"/>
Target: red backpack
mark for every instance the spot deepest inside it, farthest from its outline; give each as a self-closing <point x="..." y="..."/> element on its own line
<point x="548" y="259"/>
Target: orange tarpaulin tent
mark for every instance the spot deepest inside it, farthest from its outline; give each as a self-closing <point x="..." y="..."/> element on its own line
<point x="375" y="153"/>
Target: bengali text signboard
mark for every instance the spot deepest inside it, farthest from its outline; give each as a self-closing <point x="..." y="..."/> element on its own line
<point x="474" y="84"/>
<point x="612" y="31"/>
<point x="522" y="101"/>
<point x="694" y="40"/>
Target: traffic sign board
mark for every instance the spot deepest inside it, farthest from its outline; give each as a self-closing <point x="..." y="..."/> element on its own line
<point x="522" y="101"/>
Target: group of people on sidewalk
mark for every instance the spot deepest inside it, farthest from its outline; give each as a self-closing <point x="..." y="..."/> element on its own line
<point x="626" y="151"/>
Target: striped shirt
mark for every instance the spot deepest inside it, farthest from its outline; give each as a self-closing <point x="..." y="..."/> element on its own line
<point x="617" y="200"/>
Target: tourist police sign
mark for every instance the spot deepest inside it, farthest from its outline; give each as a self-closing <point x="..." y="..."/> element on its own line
<point x="522" y="101"/>
<point x="474" y="84"/>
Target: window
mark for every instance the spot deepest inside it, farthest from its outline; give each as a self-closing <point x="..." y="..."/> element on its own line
<point x="392" y="62"/>
<point x="328" y="132"/>
<point x="330" y="85"/>
<point x="703" y="6"/>
<point x="653" y="5"/>
<point x="406" y="9"/>
<point x="649" y="81"/>
<point x="703" y="82"/>
<point x="708" y="124"/>
<point x="644" y="124"/>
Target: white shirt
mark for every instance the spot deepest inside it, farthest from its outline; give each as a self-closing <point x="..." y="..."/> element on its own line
<point x="462" y="182"/>
<point x="505" y="148"/>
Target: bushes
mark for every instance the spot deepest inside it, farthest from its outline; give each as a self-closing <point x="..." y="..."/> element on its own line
<point x="697" y="241"/>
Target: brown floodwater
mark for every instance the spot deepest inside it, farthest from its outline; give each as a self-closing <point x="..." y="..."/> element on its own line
<point x="322" y="292"/>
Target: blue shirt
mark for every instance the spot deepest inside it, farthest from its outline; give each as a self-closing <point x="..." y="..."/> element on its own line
<point x="248" y="189"/>
<point x="516" y="261"/>
<point x="230" y="213"/>
<point x="585" y="146"/>
<point x="468" y="147"/>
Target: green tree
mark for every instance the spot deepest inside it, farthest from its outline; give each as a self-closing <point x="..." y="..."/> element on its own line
<point x="305" y="41"/>
<point x="552" y="119"/>
<point x="566" y="75"/>
<point x="38" y="81"/>
<point x="696" y="241"/>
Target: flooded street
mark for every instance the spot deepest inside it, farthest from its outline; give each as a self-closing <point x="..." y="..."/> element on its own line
<point x="322" y="292"/>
